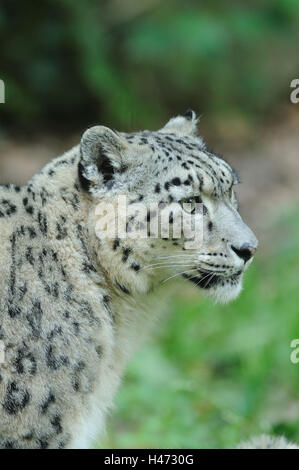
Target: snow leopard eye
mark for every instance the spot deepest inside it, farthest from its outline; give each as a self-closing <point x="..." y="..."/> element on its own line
<point x="189" y="204"/>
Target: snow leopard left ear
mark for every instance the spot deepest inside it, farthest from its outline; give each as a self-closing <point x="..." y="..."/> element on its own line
<point x="102" y="153"/>
<point x="185" y="124"/>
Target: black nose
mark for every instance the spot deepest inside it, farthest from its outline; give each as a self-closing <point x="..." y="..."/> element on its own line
<point x="245" y="252"/>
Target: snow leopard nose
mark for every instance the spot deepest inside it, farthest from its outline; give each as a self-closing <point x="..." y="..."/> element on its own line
<point x="245" y="252"/>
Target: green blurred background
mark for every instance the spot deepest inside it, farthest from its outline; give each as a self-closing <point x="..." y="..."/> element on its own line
<point x="211" y="375"/>
<point x="132" y="63"/>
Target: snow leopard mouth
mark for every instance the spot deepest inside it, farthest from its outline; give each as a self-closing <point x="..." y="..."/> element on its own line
<point x="206" y="281"/>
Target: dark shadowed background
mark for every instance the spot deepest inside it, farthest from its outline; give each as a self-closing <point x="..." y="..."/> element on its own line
<point x="212" y="375"/>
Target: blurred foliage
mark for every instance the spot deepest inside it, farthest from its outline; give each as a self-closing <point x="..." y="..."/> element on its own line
<point x="215" y="375"/>
<point x="67" y="64"/>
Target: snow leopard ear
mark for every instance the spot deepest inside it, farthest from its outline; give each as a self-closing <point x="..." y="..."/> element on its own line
<point x="185" y="124"/>
<point x="101" y="156"/>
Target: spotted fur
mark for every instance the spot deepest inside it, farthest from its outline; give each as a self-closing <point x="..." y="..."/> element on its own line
<point x="71" y="303"/>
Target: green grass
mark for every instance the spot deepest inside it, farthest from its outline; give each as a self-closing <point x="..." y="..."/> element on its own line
<point x="214" y="375"/>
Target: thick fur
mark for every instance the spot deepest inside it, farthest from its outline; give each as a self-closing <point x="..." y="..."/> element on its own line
<point x="71" y="303"/>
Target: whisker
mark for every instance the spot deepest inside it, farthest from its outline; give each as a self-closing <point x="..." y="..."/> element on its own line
<point x="209" y="280"/>
<point x="181" y="255"/>
<point x="170" y="266"/>
<point x="203" y="278"/>
<point x="179" y="274"/>
<point x="164" y="263"/>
